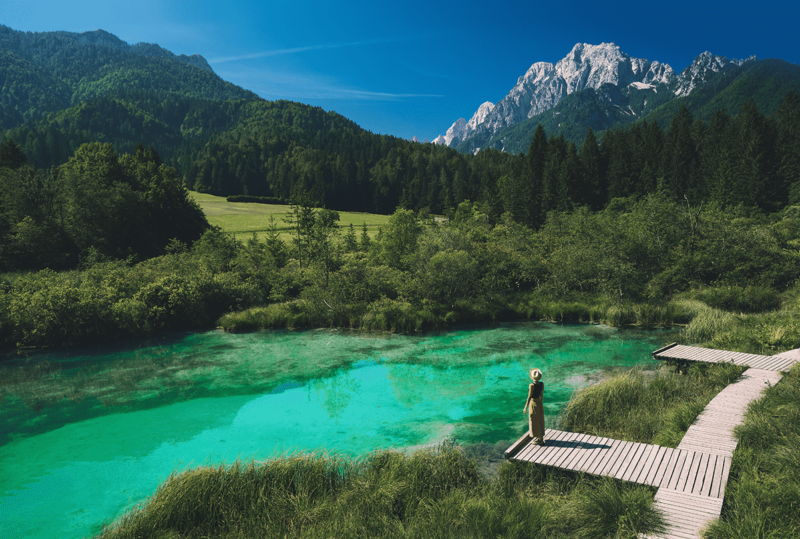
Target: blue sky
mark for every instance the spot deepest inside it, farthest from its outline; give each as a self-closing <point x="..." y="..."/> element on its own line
<point x="413" y="68"/>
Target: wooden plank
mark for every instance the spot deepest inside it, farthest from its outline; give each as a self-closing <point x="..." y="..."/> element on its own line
<point x="677" y="470"/>
<point x="711" y="438"/>
<point x="580" y="453"/>
<point x="529" y="453"/>
<point x="691" y="456"/>
<point x="597" y="454"/>
<point x="664" y="349"/>
<point x="564" y="443"/>
<point x="556" y="445"/>
<point x="646" y="460"/>
<point x="716" y="483"/>
<point x="726" y="469"/>
<point x="530" y="450"/>
<point x="577" y="453"/>
<point x="635" y="464"/>
<point x="697" y="472"/>
<point x="516" y="446"/>
<point x="698" y="502"/>
<point x="665" y="469"/>
<point x="622" y="451"/>
<point x="705" y="470"/>
<point x="651" y="477"/>
<point x="566" y="452"/>
<point x="714" y="462"/>
<point x="600" y="463"/>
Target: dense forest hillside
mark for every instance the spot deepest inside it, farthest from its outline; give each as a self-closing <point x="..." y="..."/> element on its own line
<point x="739" y="149"/>
<point x="48" y="71"/>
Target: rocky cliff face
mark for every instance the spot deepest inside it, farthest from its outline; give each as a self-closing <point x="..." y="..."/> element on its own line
<point x="544" y="85"/>
<point x="702" y="69"/>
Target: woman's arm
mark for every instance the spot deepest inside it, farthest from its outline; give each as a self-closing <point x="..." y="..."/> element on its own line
<point x="530" y="396"/>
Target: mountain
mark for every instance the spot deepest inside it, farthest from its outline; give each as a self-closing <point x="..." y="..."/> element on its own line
<point x="594" y="86"/>
<point x="43" y="72"/>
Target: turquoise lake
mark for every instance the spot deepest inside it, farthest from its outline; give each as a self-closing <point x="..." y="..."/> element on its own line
<point x="86" y="433"/>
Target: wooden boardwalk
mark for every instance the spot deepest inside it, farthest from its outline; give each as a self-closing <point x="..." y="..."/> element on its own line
<point x="779" y="363"/>
<point x="682" y="470"/>
<point x="691" y="478"/>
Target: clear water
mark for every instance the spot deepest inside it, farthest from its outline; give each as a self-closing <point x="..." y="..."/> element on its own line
<point x="86" y="433"/>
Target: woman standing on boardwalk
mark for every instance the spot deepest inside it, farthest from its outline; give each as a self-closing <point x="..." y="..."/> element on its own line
<point x="536" y="417"/>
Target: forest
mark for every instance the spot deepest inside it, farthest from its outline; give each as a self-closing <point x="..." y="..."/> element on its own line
<point x="626" y="231"/>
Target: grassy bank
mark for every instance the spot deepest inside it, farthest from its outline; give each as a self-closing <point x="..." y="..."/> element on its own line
<point x="401" y="315"/>
<point x="648" y="409"/>
<point x="387" y="494"/>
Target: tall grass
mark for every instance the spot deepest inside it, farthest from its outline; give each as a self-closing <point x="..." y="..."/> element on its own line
<point x="433" y="493"/>
<point x="647" y="407"/>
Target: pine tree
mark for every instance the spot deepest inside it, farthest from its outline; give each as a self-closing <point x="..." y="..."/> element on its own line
<point x="753" y="171"/>
<point x="593" y="191"/>
<point x="350" y="240"/>
<point x="365" y="240"/>
<point x="788" y="148"/>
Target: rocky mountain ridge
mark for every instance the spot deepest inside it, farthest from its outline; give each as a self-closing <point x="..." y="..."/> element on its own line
<point x="586" y="66"/>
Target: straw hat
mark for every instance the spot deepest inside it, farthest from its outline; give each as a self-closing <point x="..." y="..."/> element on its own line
<point x="536" y="374"/>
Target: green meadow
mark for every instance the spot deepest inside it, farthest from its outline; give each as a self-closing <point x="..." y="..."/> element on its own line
<point x="244" y="218"/>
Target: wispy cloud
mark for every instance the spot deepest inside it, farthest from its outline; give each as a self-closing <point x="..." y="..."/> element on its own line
<point x="379" y="95"/>
<point x="272" y="84"/>
<point x="295" y="50"/>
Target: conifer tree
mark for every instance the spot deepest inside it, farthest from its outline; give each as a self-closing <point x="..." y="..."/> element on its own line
<point x="788" y="147"/>
<point x="593" y="191"/>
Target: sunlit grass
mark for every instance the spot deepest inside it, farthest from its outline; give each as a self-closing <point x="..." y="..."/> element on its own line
<point x="244" y="218"/>
<point x="645" y="407"/>
<point x="430" y="493"/>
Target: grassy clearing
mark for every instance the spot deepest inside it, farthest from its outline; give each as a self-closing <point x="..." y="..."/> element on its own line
<point x="244" y="218"/>
<point x="434" y="493"/>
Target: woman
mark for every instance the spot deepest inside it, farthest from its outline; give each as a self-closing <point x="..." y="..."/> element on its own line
<point x="536" y="417"/>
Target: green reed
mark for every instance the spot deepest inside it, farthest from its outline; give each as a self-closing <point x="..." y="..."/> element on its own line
<point x="644" y="406"/>
<point x="430" y="493"/>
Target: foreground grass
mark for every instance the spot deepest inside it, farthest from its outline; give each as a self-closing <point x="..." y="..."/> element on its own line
<point x="435" y="493"/>
<point x="244" y="218"/>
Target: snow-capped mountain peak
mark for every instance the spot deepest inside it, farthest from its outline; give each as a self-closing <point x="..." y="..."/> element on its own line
<point x="702" y="69"/>
<point x="544" y="85"/>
